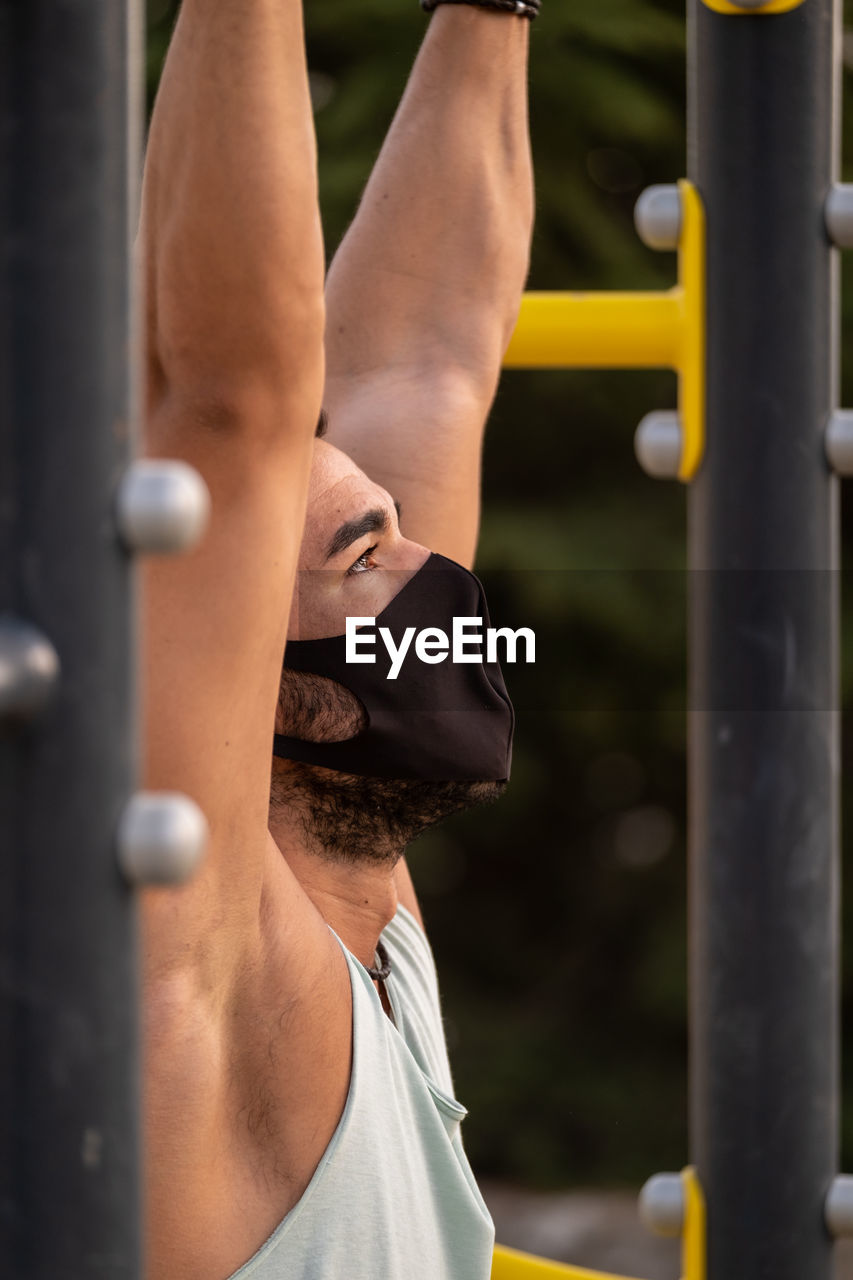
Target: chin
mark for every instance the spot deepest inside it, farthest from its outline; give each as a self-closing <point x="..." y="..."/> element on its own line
<point x="353" y="819"/>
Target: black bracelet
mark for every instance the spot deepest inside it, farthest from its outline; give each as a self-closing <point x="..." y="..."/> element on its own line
<point x="522" y="8"/>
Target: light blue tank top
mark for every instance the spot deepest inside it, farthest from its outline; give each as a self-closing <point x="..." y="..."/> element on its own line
<point x="393" y="1197"/>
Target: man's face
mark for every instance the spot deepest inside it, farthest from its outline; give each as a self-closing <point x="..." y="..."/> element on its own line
<point x="352" y="563"/>
<point x="352" y="534"/>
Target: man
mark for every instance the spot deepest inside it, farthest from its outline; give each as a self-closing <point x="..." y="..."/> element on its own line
<point x="297" y="1105"/>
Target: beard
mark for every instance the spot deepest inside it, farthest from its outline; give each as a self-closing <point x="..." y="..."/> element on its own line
<point x="344" y="817"/>
<point x="350" y="819"/>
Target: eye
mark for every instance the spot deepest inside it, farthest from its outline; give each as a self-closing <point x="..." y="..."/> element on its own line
<point x="362" y="564"/>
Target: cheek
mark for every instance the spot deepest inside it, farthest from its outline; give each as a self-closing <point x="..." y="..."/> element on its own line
<point x="320" y="606"/>
<point x="322" y="600"/>
<point x="372" y="592"/>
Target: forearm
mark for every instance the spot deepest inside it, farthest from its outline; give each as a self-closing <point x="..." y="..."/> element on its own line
<point x="432" y="269"/>
<point x="230" y="232"/>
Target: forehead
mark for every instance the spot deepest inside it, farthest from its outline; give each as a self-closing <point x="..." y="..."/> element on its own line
<point x="338" y="490"/>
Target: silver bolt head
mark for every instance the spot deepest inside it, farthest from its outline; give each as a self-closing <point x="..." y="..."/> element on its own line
<point x="162" y="837"/>
<point x="657" y="445"/>
<point x="657" y="216"/>
<point x="838" y="441"/>
<point x="662" y="1204"/>
<point x="838" y="215"/>
<point x="162" y="506"/>
<point x="29" y="670"/>
<point x="838" y="1207"/>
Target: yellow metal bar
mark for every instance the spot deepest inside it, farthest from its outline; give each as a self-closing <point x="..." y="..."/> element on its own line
<point x="693" y="1251"/>
<point x="691" y="383"/>
<point x="598" y="331"/>
<point x="631" y="331"/>
<point x="509" y="1264"/>
<point x="773" y="6"/>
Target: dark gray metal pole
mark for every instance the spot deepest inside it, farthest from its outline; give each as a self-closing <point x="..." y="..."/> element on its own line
<point x="763" y="538"/>
<point x="70" y="115"/>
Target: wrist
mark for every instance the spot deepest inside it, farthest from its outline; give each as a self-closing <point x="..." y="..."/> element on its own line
<point x="528" y="9"/>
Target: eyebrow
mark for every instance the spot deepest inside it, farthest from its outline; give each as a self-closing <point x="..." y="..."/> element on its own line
<point x="375" y="521"/>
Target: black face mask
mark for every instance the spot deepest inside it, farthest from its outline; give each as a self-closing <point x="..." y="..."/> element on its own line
<point x="440" y="722"/>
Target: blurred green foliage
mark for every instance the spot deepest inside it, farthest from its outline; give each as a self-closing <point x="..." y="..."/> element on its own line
<point x="558" y="916"/>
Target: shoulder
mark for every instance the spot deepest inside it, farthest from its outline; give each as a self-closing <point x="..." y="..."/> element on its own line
<point x="246" y="1086"/>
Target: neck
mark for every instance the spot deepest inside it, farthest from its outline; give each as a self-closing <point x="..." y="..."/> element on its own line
<point x="357" y="899"/>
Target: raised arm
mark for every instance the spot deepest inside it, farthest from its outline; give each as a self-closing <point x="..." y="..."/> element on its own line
<point x="234" y="268"/>
<point x="231" y="230"/>
<point x="424" y="291"/>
